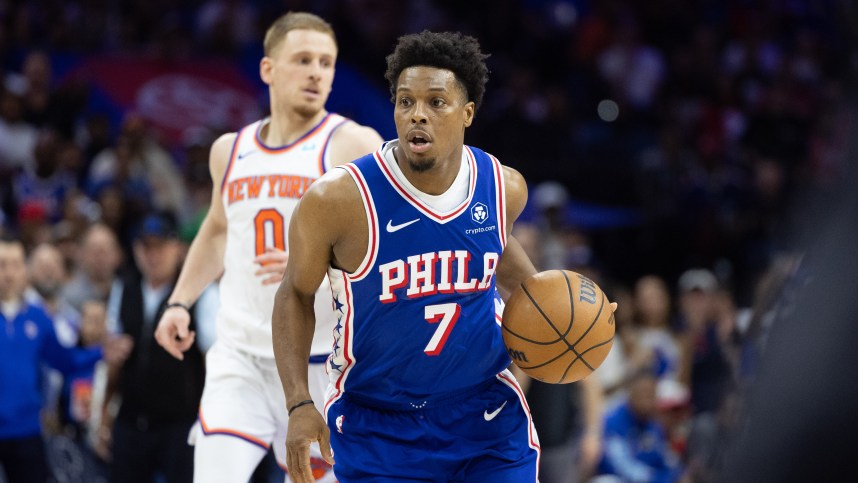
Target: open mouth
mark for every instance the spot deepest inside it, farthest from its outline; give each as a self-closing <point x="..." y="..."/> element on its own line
<point x="419" y="141"/>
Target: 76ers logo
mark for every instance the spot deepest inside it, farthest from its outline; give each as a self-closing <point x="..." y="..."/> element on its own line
<point x="479" y="213"/>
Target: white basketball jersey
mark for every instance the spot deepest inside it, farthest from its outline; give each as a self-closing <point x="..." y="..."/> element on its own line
<point x="260" y="189"/>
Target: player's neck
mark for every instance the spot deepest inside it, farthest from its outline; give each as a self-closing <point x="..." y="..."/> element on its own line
<point x="286" y="128"/>
<point x="435" y="180"/>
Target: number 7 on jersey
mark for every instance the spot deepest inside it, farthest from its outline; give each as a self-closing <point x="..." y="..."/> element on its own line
<point x="447" y="315"/>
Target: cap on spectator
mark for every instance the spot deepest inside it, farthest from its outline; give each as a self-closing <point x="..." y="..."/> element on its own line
<point x="157" y="225"/>
<point x="698" y="279"/>
<point x="550" y="194"/>
<point x="671" y="394"/>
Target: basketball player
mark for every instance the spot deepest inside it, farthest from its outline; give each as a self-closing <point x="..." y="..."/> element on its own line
<point x="412" y="246"/>
<point x="259" y="174"/>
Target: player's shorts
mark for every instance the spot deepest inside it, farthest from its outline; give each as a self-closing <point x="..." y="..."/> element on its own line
<point x="485" y="435"/>
<point x="243" y="399"/>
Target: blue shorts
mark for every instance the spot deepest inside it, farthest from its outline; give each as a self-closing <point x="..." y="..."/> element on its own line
<point x="484" y="436"/>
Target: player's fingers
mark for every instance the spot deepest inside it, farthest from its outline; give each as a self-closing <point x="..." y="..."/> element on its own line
<point x="271" y="257"/>
<point x="325" y="447"/>
<point x="613" y="306"/>
<point x="300" y="470"/>
<point x="272" y="268"/>
<point x="185" y="344"/>
<point x="276" y="278"/>
<point x="182" y="330"/>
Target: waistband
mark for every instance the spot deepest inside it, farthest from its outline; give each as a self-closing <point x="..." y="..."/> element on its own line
<point x="429" y="402"/>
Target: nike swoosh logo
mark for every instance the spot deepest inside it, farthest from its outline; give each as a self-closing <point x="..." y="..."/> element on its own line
<point x="244" y="155"/>
<point x="491" y="415"/>
<point x="392" y="228"/>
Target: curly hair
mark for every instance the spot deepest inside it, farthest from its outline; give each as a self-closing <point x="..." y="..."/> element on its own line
<point x="453" y="51"/>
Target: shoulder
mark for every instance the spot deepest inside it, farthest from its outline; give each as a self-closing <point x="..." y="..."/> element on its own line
<point x="220" y="153"/>
<point x="351" y="141"/>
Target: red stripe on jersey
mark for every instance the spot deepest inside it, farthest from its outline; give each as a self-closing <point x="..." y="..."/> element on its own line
<point x="499" y="188"/>
<point x="370" y="210"/>
<point x="419" y="204"/>
<point x="511" y="382"/>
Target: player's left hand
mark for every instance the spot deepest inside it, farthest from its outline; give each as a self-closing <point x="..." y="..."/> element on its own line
<point x="272" y="265"/>
<point x="306" y="425"/>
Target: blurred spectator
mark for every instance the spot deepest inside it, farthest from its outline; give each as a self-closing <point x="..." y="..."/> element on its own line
<point x="196" y="141"/>
<point x="706" y="369"/>
<point x="48" y="275"/>
<point x="568" y="419"/>
<point x="636" y="449"/>
<point x="654" y="334"/>
<point x="98" y="260"/>
<point x="145" y="160"/>
<point x="47" y="184"/>
<point x="17" y="136"/>
<point x="160" y="395"/>
<point x="28" y="341"/>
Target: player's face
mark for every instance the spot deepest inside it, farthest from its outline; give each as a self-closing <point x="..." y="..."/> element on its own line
<point x="431" y="114"/>
<point x="300" y="71"/>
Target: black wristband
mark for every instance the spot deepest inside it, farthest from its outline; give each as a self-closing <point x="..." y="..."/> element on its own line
<point x="177" y="304"/>
<point x="302" y="403"/>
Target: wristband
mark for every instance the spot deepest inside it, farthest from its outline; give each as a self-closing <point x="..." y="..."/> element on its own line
<point x="302" y="403"/>
<point x="177" y="304"/>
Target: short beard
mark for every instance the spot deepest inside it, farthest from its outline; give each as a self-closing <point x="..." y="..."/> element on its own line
<point x="421" y="166"/>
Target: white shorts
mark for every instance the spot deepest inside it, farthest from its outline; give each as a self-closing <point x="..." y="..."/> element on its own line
<point x="243" y="400"/>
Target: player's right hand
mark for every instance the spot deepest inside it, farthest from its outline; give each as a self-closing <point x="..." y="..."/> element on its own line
<point x="172" y="333"/>
<point x="305" y="426"/>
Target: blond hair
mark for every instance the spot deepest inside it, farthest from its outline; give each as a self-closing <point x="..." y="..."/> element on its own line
<point x="294" y="21"/>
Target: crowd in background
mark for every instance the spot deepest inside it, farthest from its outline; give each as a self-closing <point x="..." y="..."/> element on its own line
<point x="707" y="119"/>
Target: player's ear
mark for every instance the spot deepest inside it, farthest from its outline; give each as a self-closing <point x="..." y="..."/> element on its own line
<point x="468" y="113"/>
<point x="266" y="65"/>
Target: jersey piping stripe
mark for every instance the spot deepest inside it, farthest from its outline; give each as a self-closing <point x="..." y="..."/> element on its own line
<point x="323" y="165"/>
<point x="500" y="189"/>
<point x="419" y="204"/>
<point x="347" y="344"/>
<point x="284" y="148"/>
<point x="533" y="442"/>
<point x="372" y="220"/>
<point x="230" y="432"/>
<point x="232" y="155"/>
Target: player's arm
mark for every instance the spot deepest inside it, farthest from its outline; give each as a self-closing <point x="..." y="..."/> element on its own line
<point x="204" y="262"/>
<point x="333" y="199"/>
<point x="351" y="141"/>
<point x="515" y="266"/>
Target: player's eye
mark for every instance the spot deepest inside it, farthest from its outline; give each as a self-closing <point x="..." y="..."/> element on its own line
<point x="438" y="102"/>
<point x="404" y="102"/>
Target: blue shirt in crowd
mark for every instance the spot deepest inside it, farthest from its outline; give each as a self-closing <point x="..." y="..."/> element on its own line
<point x="636" y="451"/>
<point x="26" y="341"/>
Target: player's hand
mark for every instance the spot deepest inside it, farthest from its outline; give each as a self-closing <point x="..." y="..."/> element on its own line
<point x="116" y="348"/>
<point x="272" y="265"/>
<point x="305" y="426"/>
<point x="172" y="333"/>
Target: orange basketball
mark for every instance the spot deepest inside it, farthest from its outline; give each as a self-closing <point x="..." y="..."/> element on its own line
<point x="558" y="326"/>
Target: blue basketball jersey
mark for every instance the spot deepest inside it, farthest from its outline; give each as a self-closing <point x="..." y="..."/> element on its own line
<point x="418" y="320"/>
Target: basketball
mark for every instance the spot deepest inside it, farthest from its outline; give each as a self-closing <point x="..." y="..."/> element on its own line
<point x="558" y="326"/>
